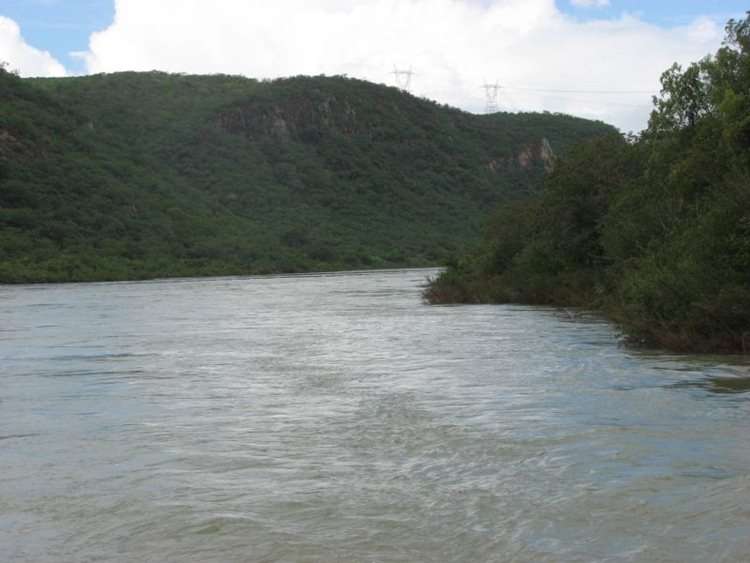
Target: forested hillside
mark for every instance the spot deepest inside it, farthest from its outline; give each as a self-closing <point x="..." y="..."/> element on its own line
<point x="139" y="175"/>
<point x="654" y="230"/>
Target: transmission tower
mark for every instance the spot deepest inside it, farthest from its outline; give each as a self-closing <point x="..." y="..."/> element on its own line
<point x="403" y="78"/>
<point x="492" y="91"/>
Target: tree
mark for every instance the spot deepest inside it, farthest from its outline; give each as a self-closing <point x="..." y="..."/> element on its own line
<point x="684" y="99"/>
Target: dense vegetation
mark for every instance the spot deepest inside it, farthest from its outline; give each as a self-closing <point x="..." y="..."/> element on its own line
<point x="653" y="230"/>
<point x="139" y="175"/>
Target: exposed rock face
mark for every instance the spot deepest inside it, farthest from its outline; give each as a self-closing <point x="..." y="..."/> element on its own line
<point x="7" y="142"/>
<point x="547" y="155"/>
<point x="279" y="128"/>
<point x="6" y="138"/>
<point x="528" y="157"/>
<point x="303" y="119"/>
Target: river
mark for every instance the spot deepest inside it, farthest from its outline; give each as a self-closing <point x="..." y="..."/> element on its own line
<point x="338" y="418"/>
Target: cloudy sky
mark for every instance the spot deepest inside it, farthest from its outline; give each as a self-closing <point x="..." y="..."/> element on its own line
<point x="594" y="58"/>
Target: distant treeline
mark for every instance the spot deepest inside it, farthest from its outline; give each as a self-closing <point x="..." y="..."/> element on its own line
<point x="142" y="175"/>
<point x="654" y="230"/>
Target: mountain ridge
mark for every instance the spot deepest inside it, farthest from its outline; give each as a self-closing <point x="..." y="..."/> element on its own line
<point x="140" y="175"/>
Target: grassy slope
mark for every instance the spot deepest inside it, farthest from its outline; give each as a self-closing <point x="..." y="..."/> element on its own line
<point x="138" y="175"/>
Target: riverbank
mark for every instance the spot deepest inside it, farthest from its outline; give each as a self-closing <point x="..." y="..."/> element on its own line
<point x="653" y="230"/>
<point x="449" y="287"/>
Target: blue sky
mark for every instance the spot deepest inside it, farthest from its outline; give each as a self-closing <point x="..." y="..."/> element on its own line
<point x="663" y="12"/>
<point x="59" y="26"/>
<point x="64" y="26"/>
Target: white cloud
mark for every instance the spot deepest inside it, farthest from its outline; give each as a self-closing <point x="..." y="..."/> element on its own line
<point x="23" y="57"/>
<point x="453" y="45"/>
<point x="590" y="3"/>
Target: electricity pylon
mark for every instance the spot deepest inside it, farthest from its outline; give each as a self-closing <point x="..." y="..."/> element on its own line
<point x="492" y="91"/>
<point x="403" y="78"/>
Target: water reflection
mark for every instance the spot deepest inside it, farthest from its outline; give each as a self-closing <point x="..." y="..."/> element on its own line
<point x="718" y="384"/>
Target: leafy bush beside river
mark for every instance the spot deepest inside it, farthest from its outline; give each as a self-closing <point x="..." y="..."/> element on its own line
<point x="653" y="230"/>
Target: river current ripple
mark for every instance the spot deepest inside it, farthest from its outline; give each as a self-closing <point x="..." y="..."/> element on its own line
<point x="338" y="418"/>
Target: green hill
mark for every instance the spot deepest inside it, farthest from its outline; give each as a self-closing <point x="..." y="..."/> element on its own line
<point x="140" y="175"/>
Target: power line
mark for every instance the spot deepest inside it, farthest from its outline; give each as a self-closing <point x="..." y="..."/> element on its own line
<point x="560" y="91"/>
<point x="599" y="102"/>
